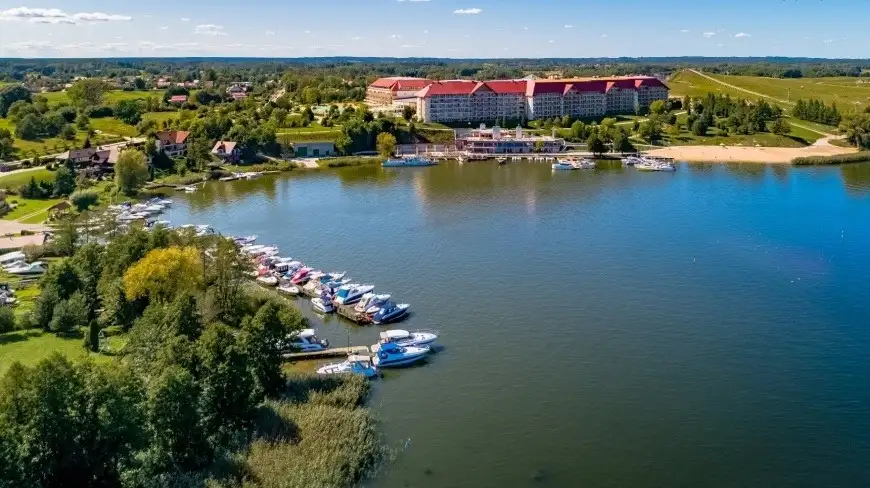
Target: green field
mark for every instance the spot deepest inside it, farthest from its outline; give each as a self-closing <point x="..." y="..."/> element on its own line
<point x="109" y="98"/>
<point x="31" y="209"/>
<point x="15" y="180"/>
<point x="52" y="145"/>
<point x="850" y="94"/>
<point x="31" y="346"/>
<point x="111" y="125"/>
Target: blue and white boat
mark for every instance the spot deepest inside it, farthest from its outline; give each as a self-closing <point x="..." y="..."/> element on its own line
<point x="392" y="355"/>
<point x="351" y="295"/>
<point x="391" y="312"/>
<point x="563" y="165"/>
<point x="359" y="365"/>
<point x="414" y="161"/>
<point x="405" y="338"/>
<point x="323" y="305"/>
<point x="371" y="303"/>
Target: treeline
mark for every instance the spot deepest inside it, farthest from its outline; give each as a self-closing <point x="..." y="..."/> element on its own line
<point x="198" y="382"/>
<point x="817" y="111"/>
<point x="735" y="115"/>
<point x="856" y="128"/>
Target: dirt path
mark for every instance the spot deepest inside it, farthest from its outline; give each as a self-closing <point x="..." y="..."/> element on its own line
<point x="735" y="87"/>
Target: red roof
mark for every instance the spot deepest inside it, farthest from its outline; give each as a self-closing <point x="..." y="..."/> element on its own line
<point x="451" y="87"/>
<point x="600" y="85"/>
<point x="507" y="86"/>
<point x="402" y="83"/>
<point x="178" y="98"/>
<point x="172" y="137"/>
<point x="226" y="146"/>
<point x="238" y="96"/>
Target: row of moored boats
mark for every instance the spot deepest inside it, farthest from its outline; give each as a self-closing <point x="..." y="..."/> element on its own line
<point x="641" y="163"/>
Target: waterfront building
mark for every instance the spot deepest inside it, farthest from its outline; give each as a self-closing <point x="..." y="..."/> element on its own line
<point x="385" y="91"/>
<point x="505" y="141"/>
<point x="476" y="101"/>
<point x="313" y="149"/>
<point x="173" y="143"/>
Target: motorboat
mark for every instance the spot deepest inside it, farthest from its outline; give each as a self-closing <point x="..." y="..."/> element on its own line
<point x="653" y="165"/>
<point x="352" y="295"/>
<point x="312" y="286"/>
<point x="392" y="355"/>
<point x="306" y="341"/>
<point x="370" y="300"/>
<point x="323" y="305"/>
<point x="301" y="276"/>
<point x="583" y="163"/>
<point x="563" y="165"/>
<point x="289" y="289"/>
<point x="332" y="286"/>
<point x="245" y="240"/>
<point x="355" y="364"/>
<point x="501" y="160"/>
<point x="36" y="267"/>
<point x="405" y="338"/>
<point x="267" y="280"/>
<point x="391" y="312"/>
<point x="631" y="160"/>
<point x="414" y="161"/>
<point x="12" y="258"/>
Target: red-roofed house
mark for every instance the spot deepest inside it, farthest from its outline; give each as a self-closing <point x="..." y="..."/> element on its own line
<point x="173" y="143"/>
<point x="228" y="151"/>
<point x="239" y="95"/>
<point x="179" y="99"/>
<point x="384" y="91"/>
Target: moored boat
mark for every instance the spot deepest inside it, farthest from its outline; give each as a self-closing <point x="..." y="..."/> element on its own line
<point x="289" y="289"/>
<point x="392" y="355"/>
<point x="305" y="341"/>
<point x="355" y="364"/>
<point x="267" y="280"/>
<point x="323" y="305"/>
<point x="391" y="312"/>
<point x="351" y="295"/>
<point x="405" y="338"/>
<point x="414" y="161"/>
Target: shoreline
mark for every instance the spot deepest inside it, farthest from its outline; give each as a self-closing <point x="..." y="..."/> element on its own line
<point x="746" y="154"/>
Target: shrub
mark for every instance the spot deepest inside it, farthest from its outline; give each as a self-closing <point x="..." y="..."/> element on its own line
<point x="99" y="112"/>
<point x="349" y="161"/>
<point x="859" y="157"/>
<point x="84" y="199"/>
<point x="7" y="319"/>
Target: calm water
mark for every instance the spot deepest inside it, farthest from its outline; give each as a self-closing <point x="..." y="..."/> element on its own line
<point x="601" y="329"/>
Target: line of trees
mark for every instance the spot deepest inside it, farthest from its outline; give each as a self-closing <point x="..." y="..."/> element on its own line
<point x="817" y="111"/>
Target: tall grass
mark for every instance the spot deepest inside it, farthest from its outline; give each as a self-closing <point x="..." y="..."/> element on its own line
<point x="346" y="161"/>
<point x="859" y="157"/>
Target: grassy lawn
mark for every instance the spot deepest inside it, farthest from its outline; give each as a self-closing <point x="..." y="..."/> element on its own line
<point x="314" y="127"/>
<point x="30" y="346"/>
<point x="827" y="129"/>
<point x="160" y="116"/>
<point x="41" y="147"/>
<point x="111" y="125"/>
<point x="33" y="209"/>
<point x="15" y="180"/>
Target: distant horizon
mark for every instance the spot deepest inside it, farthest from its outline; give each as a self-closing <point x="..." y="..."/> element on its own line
<point x="687" y="58"/>
<point x="457" y="29"/>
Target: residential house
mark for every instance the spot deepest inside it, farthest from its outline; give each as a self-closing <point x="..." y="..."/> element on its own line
<point x="178" y="99"/>
<point x="163" y="83"/>
<point x="239" y="96"/>
<point x="227" y="151"/>
<point x="172" y="143"/>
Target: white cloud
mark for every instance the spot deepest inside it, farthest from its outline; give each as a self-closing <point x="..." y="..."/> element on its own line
<point x="209" y="30"/>
<point x="57" y="16"/>
<point x="603" y="35"/>
<point x="742" y="34"/>
<point x="356" y="38"/>
<point x="163" y="27"/>
<point x="709" y="34"/>
<point x="720" y="45"/>
<point x="270" y="33"/>
<point x="569" y="26"/>
<point x="408" y="46"/>
<point x="525" y="28"/>
<point x="185" y="19"/>
<point x="685" y="31"/>
<point x="425" y="32"/>
<point x="467" y="11"/>
<point x="29" y="45"/>
<point x="395" y="36"/>
<point x="551" y="41"/>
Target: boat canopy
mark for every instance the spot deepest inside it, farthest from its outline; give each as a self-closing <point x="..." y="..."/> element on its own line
<point x="395" y="334"/>
<point x="306" y="333"/>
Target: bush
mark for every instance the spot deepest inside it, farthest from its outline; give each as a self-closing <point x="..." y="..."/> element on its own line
<point x="7" y="320"/>
<point x="349" y="161"/>
<point x="84" y="199"/>
<point x="859" y="157"/>
<point x="99" y="112"/>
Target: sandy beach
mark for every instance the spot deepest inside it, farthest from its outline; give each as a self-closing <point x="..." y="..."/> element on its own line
<point x="745" y="154"/>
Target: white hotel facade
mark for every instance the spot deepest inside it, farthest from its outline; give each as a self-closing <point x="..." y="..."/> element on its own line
<point x="475" y="101"/>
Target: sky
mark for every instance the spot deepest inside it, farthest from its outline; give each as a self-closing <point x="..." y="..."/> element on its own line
<point x="437" y="28"/>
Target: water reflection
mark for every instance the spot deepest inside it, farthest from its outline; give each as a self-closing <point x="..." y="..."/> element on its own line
<point x="856" y="178"/>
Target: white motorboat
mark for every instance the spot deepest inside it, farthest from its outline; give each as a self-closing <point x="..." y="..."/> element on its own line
<point x="267" y="280"/>
<point x="653" y="165"/>
<point x="583" y="163"/>
<point x="12" y="258"/>
<point x="306" y="341"/>
<point x="322" y="305"/>
<point x="631" y="160"/>
<point x="390" y="312"/>
<point x="36" y="267"/>
<point x="349" y="296"/>
<point x="405" y="338"/>
<point x="563" y="166"/>
<point x="361" y="365"/>
<point x="371" y="300"/>
<point x="245" y="240"/>
<point x="392" y="355"/>
<point x="289" y="289"/>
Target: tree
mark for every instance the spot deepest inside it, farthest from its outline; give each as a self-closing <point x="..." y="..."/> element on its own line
<point x="131" y="171"/>
<point x="621" y="143"/>
<point x="780" y="127"/>
<point x="84" y="199"/>
<point x="408" y="112"/>
<point x="651" y="129"/>
<point x="87" y="92"/>
<point x="6" y="143"/>
<point x="7" y="319"/>
<point x="261" y="337"/>
<point x="10" y="94"/>
<point x="578" y="131"/>
<point x="699" y="127"/>
<point x="163" y="273"/>
<point x="68" y="133"/>
<point x="129" y="111"/>
<point x="64" y="181"/>
<point x="386" y="144"/>
<point x="177" y="439"/>
<point x="226" y="383"/>
<point x="657" y="107"/>
<point x="595" y="145"/>
<point x="29" y="127"/>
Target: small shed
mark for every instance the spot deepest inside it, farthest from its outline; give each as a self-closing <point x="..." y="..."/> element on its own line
<point x="314" y="149"/>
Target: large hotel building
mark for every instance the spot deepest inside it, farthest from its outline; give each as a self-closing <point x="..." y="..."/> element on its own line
<point x="474" y="101"/>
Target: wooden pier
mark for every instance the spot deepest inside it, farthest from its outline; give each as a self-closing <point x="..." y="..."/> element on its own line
<point x="326" y="353"/>
<point x="344" y="311"/>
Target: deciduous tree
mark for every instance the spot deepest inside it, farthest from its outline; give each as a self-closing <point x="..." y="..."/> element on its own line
<point x="386" y="144"/>
<point x="163" y="273"/>
<point x="131" y="171"/>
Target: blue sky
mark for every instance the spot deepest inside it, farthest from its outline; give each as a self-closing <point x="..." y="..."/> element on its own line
<point x="443" y="28"/>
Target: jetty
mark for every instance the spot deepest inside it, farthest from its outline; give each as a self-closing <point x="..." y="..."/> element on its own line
<point x="332" y="352"/>
<point x="344" y="311"/>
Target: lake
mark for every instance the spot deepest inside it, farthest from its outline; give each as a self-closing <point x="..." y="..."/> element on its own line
<point x="607" y="328"/>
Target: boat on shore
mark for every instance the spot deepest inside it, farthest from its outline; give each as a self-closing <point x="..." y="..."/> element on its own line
<point x="414" y="161"/>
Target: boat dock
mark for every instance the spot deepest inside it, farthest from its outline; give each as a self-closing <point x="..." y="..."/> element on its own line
<point x="332" y="352"/>
<point x="345" y="311"/>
